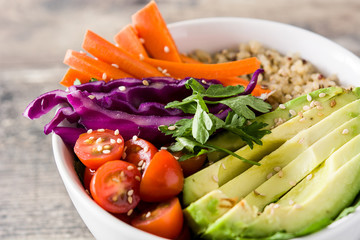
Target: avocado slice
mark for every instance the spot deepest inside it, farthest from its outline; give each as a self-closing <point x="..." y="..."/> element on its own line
<point x="200" y="217"/>
<point x="309" y="206"/>
<point x="220" y="172"/>
<point x="233" y="142"/>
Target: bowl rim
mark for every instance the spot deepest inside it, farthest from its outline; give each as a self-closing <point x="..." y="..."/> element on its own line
<point x="75" y="187"/>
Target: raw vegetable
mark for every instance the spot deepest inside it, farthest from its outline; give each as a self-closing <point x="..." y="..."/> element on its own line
<point x="128" y="40"/>
<point x="153" y="30"/>
<point x="72" y="75"/>
<point x="95" y="68"/>
<point x="108" y="52"/>
<point x="94" y="148"/>
<point x="115" y="186"/>
<point x="88" y="174"/>
<point x="163" y="178"/>
<point x="165" y="220"/>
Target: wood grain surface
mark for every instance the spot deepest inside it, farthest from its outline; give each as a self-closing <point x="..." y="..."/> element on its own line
<point x="34" y="35"/>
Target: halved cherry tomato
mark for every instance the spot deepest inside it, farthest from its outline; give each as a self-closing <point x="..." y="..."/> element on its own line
<point x="115" y="186"/>
<point x="191" y="165"/>
<point x="94" y="148"/>
<point x="139" y="152"/>
<point x="163" y="178"/>
<point x="166" y="220"/>
<point x="88" y="174"/>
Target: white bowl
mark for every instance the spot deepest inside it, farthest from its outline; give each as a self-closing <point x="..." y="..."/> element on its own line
<point x="214" y="34"/>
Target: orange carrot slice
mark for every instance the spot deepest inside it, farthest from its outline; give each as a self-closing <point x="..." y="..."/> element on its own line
<point x="108" y="52"/>
<point x="128" y="40"/>
<point x="92" y="67"/>
<point x="258" y="90"/>
<point x="151" y="27"/>
<point x="187" y="59"/>
<point x="71" y="75"/>
<point x="209" y="71"/>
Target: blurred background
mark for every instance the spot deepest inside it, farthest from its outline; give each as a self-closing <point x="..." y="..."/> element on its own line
<point x="34" y="35"/>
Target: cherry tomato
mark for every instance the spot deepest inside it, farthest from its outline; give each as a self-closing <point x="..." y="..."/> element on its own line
<point x="165" y="220"/>
<point x="163" y="178"/>
<point x="191" y="165"/>
<point x="139" y="152"/>
<point x="94" y="148"/>
<point x="88" y="174"/>
<point x="115" y="186"/>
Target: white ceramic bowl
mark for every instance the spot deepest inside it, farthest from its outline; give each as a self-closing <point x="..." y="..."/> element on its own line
<point x="215" y="34"/>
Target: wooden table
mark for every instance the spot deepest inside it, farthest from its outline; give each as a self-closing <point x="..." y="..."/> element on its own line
<point x="34" y="36"/>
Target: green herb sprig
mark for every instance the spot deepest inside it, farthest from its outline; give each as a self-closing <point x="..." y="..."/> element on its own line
<point x="192" y="134"/>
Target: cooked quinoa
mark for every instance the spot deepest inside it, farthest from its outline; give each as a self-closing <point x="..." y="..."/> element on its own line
<point x="287" y="76"/>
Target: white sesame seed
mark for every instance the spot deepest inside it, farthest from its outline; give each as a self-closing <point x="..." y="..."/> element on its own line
<point x="281" y="174"/>
<point x="142" y="40"/>
<point x="99" y="148"/>
<point x="172" y="128"/>
<point x="112" y="141"/>
<point x="309" y="177"/>
<point x="276" y="205"/>
<point x="321" y="95"/>
<point x="345" y="131"/>
<point x="130" y="212"/>
<point x="166" y="49"/>
<point x="89" y="131"/>
<point x="301" y="119"/>
<point x="115" y="65"/>
<point x="292" y="183"/>
<point x="130" y="167"/>
<point x="99" y="140"/>
<point x="119" y="140"/>
<point x="101" y="130"/>
<point x="148" y="214"/>
<point x="167" y="74"/>
<point x="203" y="81"/>
<point x="160" y="69"/>
<point x="91" y="138"/>
<point x="104" y="76"/>
<point x="319" y="107"/>
<point x="122" y="88"/>
<point x="312" y="104"/>
<point x="308" y="97"/>
<point x="143" y="166"/>
<point x="106" y="151"/>
<point x="145" y="83"/>
<point x="277" y="169"/>
<point x="164" y="71"/>
<point x="116" y="132"/>
<point x="223" y="165"/>
<point x="87" y="141"/>
<point x="134" y="138"/>
<point x="282" y="106"/>
<point x="107" y="146"/>
<point x="317" y="103"/>
<point x="137" y="178"/>
<point x="292" y="112"/>
<point x="91" y="97"/>
<point x="141" y="57"/>
<point x="96" y="58"/>
<point x="215" y="178"/>
<point x="306" y="107"/>
<point x="140" y="163"/>
<point x="146" y="149"/>
<point x="269" y="176"/>
<point x="130" y="192"/>
<point x="163" y="148"/>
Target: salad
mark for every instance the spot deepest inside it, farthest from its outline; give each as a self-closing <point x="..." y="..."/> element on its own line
<point x="148" y="123"/>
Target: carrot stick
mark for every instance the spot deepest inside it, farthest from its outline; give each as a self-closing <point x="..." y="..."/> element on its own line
<point x="128" y="40"/>
<point x="92" y="67"/>
<point x="71" y="75"/>
<point x="108" y="52"/>
<point x="152" y="28"/>
<point x="258" y="90"/>
<point x="209" y="71"/>
<point x="186" y="59"/>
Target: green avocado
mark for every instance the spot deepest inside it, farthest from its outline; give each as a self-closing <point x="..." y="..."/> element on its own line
<point x="200" y="217"/>
<point x="220" y="172"/>
<point x="309" y="206"/>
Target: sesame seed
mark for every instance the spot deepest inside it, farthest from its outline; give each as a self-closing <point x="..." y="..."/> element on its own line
<point x="96" y="58"/>
<point x="319" y="107"/>
<point x="140" y="163"/>
<point x="276" y="205"/>
<point x="163" y="148"/>
<point x="130" y="192"/>
<point x="301" y="119"/>
<point x="312" y="104"/>
<point x="215" y="178"/>
<point x="115" y="65"/>
<point x="141" y="57"/>
<point x="99" y="140"/>
<point x="166" y="49"/>
<point x="223" y="165"/>
<point x="122" y="88"/>
<point x="137" y="178"/>
<point x="164" y="71"/>
<point x="258" y="194"/>
<point x="146" y="149"/>
<point x="114" y="179"/>
<point x="317" y="103"/>
<point x="145" y="83"/>
<point x="148" y="214"/>
<point x="309" y="177"/>
<point x="119" y="140"/>
<point x="112" y="141"/>
<point x="277" y="169"/>
<point x="309" y="98"/>
<point x="172" y="128"/>
<point x="130" y="199"/>
<point x="106" y="151"/>
<point x="142" y="40"/>
<point x="134" y="138"/>
<point x="122" y="174"/>
<point x="91" y="97"/>
<point x="88" y="141"/>
<point x="101" y="130"/>
<point x="89" y="131"/>
<point x="203" y="81"/>
<point x="123" y="155"/>
<point x="332" y="103"/>
<point x="281" y="174"/>
<point x="130" y="167"/>
<point x="292" y="183"/>
<point x="160" y="69"/>
<point x="139" y="168"/>
<point x="269" y="175"/>
<point x="282" y="106"/>
<point x="167" y="74"/>
<point x="130" y="212"/>
<point x="143" y="166"/>
<point x="321" y="95"/>
<point x="301" y="140"/>
<point x="116" y="132"/>
<point x="292" y="112"/>
<point x="306" y="107"/>
<point x="107" y="146"/>
<point x="345" y="131"/>
<point x="99" y="148"/>
<point x="104" y="76"/>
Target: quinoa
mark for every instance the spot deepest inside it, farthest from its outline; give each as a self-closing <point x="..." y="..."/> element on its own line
<point x="286" y="76"/>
